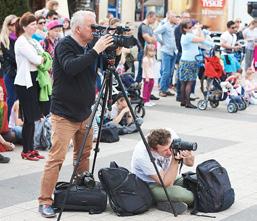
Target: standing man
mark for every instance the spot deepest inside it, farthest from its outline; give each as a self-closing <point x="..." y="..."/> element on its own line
<point x="74" y="74"/>
<point x="185" y="16"/>
<point x="228" y="46"/>
<point x="145" y="35"/>
<point x="166" y="37"/>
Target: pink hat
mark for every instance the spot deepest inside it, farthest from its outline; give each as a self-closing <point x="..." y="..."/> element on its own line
<point x="53" y="24"/>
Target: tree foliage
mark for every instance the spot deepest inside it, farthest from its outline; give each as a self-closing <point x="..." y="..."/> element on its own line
<point x="16" y="7"/>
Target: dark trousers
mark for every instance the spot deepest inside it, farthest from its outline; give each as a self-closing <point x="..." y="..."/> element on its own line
<point x="140" y="70"/>
<point x="29" y="103"/>
<point x="11" y="95"/>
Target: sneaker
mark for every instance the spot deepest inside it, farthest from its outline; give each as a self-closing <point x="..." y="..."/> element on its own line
<point x="152" y="97"/>
<point x="148" y="104"/>
<point x="193" y="96"/>
<point x="169" y="93"/>
<point x="46" y="211"/>
<point x="163" y="94"/>
<point x="152" y="103"/>
<point x="179" y="207"/>
<point x="4" y="159"/>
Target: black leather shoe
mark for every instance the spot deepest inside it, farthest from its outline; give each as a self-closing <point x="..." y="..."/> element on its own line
<point x="4" y="159"/>
<point x="191" y="106"/>
<point x="152" y="97"/>
<point x="46" y="211"/>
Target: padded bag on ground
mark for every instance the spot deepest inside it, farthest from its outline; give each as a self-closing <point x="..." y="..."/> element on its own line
<point x="109" y="134"/>
<point x="81" y="198"/>
<point x="211" y="187"/>
<point x="128" y="195"/>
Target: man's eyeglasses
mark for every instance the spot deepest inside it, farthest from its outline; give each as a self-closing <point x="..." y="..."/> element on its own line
<point x="238" y="21"/>
<point x="233" y="27"/>
<point x="42" y="22"/>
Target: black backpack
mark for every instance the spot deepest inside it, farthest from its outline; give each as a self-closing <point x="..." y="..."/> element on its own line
<point x="128" y="195"/>
<point x="211" y="187"/>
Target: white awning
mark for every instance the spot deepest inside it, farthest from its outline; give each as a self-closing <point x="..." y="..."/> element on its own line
<point x="154" y="3"/>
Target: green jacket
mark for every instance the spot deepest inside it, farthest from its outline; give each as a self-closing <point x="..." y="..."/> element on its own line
<point x="44" y="79"/>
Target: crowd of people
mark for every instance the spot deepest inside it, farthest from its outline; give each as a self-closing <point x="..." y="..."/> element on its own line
<point x="50" y="64"/>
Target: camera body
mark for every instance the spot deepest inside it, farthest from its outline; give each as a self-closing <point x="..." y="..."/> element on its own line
<point x="85" y="179"/>
<point x="179" y="145"/>
<point x="117" y="33"/>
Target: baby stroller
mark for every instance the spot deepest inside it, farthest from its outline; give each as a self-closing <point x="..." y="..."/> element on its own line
<point x="210" y="81"/>
<point x="214" y="90"/>
<point x="234" y="99"/>
<point x="133" y="89"/>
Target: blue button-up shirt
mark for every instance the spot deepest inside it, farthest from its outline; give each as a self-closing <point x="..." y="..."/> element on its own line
<point x="165" y="35"/>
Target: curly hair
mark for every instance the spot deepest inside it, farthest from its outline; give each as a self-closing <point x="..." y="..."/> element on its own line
<point x="158" y="136"/>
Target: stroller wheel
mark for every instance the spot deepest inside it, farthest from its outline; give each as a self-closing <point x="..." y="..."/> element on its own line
<point x="202" y="104"/>
<point x="232" y="108"/>
<point x="139" y="110"/>
<point x="214" y="104"/>
<point x="242" y="106"/>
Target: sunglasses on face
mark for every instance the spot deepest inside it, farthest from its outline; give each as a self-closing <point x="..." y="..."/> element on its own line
<point x="12" y="24"/>
<point x="233" y="27"/>
<point x="41" y="22"/>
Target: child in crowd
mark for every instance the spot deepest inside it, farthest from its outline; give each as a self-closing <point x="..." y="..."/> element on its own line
<point x="250" y="86"/>
<point x="15" y="122"/>
<point x="148" y="73"/>
<point x="6" y="136"/>
<point x="120" y="116"/>
<point x="235" y="81"/>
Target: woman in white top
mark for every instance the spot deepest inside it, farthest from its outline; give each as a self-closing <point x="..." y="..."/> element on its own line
<point x="27" y="57"/>
<point x="250" y="35"/>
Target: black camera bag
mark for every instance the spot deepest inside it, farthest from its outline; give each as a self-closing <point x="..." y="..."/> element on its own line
<point x="128" y="195"/>
<point x="81" y="198"/>
<point x="211" y="187"/>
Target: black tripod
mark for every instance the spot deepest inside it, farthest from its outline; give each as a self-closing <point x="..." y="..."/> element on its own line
<point x="105" y="94"/>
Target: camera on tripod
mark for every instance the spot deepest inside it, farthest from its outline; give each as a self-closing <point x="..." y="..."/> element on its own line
<point x="179" y="145"/>
<point x="120" y="39"/>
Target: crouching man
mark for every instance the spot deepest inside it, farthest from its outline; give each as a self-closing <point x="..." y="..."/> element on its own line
<point x="160" y="143"/>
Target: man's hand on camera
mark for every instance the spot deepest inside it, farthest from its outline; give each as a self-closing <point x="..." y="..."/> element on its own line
<point x="103" y="43"/>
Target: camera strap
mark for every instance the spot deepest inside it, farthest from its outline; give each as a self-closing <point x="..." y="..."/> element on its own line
<point x="181" y="165"/>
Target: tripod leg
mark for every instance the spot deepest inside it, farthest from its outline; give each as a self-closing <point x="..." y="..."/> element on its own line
<point x="144" y="140"/>
<point x="96" y="149"/>
<point x="88" y="127"/>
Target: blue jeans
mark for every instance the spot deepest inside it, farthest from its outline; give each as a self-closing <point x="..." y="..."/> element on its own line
<point x="168" y="65"/>
<point x="18" y="133"/>
<point x="178" y="83"/>
<point x="11" y="95"/>
<point x="140" y="56"/>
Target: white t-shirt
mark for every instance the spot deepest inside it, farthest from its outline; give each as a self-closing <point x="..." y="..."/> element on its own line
<point x="250" y="37"/>
<point x="141" y="164"/>
<point x="229" y="39"/>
